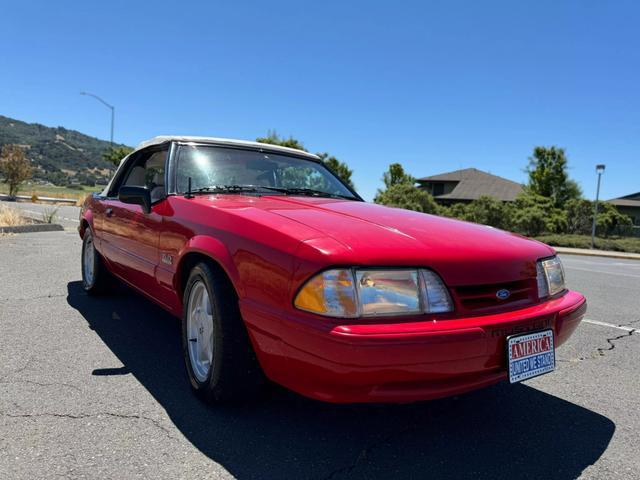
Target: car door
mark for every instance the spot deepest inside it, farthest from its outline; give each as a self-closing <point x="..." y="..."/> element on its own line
<point x="129" y="235"/>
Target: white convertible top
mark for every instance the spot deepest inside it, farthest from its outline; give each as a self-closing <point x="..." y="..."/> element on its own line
<point x="223" y="141"/>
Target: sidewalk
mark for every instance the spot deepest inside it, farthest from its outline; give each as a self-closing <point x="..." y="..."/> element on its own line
<point x="597" y="253"/>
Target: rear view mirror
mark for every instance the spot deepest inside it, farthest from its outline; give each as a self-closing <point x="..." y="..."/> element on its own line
<point x="136" y="196"/>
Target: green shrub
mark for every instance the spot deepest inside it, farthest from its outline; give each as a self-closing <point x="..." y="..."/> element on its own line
<point x="616" y="244"/>
<point x="405" y="195"/>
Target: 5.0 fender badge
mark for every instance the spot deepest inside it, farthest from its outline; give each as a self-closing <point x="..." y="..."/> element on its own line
<point x="166" y="258"/>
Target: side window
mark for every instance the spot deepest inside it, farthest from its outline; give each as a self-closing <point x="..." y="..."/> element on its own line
<point x="148" y="171"/>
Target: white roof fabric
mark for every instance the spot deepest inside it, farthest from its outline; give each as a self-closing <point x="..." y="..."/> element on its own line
<point x="223" y="141"/>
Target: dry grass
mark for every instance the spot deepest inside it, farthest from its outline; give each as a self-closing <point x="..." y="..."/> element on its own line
<point x="10" y="217"/>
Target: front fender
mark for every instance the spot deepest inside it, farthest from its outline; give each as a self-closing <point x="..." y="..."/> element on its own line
<point x="216" y="251"/>
<point x="86" y="215"/>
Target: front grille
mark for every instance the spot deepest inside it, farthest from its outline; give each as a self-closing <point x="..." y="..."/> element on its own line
<point x="483" y="298"/>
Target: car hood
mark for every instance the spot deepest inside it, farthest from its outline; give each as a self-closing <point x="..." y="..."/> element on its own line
<point x="369" y="234"/>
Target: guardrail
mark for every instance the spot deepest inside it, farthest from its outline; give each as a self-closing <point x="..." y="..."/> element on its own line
<point x="26" y="198"/>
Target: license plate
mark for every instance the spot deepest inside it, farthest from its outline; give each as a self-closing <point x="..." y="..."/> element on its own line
<point x="530" y="355"/>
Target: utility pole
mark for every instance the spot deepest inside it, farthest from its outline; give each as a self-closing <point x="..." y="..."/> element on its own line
<point x="599" y="170"/>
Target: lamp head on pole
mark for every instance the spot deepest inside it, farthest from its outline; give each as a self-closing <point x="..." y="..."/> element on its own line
<point x="600" y="168"/>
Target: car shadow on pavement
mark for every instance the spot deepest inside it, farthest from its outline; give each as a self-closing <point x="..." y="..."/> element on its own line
<point x="499" y="432"/>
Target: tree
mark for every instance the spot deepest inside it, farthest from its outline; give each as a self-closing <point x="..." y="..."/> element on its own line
<point x="609" y="219"/>
<point x="579" y="213"/>
<point x="548" y="176"/>
<point x="14" y="167"/>
<point x="485" y="210"/>
<point x="401" y="192"/>
<point x="535" y="214"/>
<point x="489" y="211"/>
<point x="396" y="175"/>
<point x="116" y="154"/>
<point x="406" y="195"/>
<point x="273" y="138"/>
<point x="339" y="168"/>
<point x="457" y="210"/>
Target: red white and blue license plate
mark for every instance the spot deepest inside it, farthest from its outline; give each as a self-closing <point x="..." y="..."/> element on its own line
<point x="530" y="355"/>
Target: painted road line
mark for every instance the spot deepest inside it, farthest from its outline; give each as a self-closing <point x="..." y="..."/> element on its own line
<point x="610" y="325"/>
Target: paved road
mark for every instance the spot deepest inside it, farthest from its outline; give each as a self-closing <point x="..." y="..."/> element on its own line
<point x="66" y="215"/>
<point x="94" y="388"/>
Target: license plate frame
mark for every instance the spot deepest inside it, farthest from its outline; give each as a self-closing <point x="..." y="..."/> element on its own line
<point x="530" y="355"/>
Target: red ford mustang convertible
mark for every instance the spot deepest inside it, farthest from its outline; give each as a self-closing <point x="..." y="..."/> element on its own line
<point x="281" y="271"/>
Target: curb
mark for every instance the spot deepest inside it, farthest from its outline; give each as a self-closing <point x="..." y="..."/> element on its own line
<point x="36" y="227"/>
<point x="27" y="198"/>
<point x="597" y="253"/>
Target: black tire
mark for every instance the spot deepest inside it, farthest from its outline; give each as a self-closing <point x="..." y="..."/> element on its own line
<point x="234" y="373"/>
<point x="102" y="281"/>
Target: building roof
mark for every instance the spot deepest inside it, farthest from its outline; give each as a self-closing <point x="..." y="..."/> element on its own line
<point x="632" y="200"/>
<point x="224" y="141"/>
<point x="473" y="184"/>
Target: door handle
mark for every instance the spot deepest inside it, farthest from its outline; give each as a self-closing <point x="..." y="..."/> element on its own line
<point x="108" y="212"/>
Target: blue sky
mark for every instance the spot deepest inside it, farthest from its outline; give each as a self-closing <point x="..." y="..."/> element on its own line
<point x="434" y="85"/>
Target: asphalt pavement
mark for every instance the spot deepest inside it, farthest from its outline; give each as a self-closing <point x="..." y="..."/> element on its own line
<point x="95" y="388"/>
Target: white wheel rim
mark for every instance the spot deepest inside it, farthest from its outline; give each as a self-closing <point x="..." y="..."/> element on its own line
<point x="88" y="259"/>
<point x="200" y="330"/>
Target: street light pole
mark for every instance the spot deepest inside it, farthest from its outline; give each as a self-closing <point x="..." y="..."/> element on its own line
<point x="599" y="170"/>
<point x="111" y="107"/>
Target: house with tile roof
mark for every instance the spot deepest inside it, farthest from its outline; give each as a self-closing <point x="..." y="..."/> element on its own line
<point x="628" y="205"/>
<point x="469" y="184"/>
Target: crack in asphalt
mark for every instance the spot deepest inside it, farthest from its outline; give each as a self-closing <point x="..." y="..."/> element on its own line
<point x="37" y="297"/>
<point x="610" y="340"/>
<point x="19" y="370"/>
<point x="601" y="351"/>
<point x="79" y="416"/>
<point x="40" y="384"/>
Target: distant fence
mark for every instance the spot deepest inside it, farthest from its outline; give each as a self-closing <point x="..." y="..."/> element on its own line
<point x="27" y="198"/>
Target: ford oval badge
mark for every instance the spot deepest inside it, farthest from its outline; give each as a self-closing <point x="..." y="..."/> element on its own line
<point x="503" y="294"/>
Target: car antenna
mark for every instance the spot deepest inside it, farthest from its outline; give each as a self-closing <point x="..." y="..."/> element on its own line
<point x="188" y="194"/>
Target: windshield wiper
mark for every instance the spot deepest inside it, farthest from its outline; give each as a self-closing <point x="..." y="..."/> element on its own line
<point x="225" y="189"/>
<point x="307" y="192"/>
<point x="258" y="188"/>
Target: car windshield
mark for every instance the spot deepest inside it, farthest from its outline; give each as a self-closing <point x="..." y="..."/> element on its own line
<point x="231" y="170"/>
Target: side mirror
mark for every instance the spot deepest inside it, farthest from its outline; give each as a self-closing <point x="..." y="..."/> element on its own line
<point x="136" y="196"/>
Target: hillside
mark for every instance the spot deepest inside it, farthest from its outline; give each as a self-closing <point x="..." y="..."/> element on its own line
<point x="59" y="155"/>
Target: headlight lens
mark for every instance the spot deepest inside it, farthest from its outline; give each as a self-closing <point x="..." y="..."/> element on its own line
<point x="550" y="277"/>
<point x="330" y="293"/>
<point x="384" y="292"/>
<point x="373" y="292"/>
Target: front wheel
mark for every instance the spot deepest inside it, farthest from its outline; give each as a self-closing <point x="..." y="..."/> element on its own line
<point x="219" y="358"/>
<point x="95" y="277"/>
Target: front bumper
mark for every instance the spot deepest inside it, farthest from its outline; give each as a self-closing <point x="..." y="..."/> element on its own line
<point x="397" y="362"/>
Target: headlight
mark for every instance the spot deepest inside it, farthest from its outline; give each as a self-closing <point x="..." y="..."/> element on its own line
<point x="330" y="293"/>
<point x="550" y="277"/>
<point x="355" y="292"/>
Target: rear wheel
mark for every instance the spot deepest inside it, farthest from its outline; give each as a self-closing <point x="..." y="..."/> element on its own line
<point x="95" y="277"/>
<point x="220" y="361"/>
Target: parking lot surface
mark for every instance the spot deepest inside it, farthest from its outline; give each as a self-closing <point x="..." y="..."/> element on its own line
<point x="95" y="388"/>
